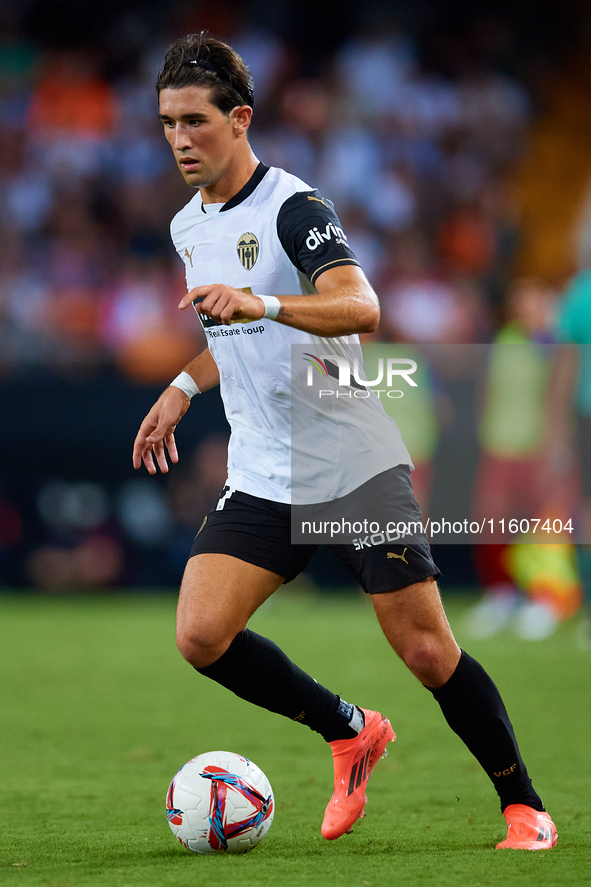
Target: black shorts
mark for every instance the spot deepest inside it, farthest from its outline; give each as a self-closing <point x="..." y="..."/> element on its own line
<point x="258" y="531"/>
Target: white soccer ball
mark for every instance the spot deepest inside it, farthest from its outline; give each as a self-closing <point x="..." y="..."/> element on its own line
<point x="220" y="802"/>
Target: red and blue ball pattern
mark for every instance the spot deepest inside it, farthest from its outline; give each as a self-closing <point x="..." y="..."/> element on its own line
<point x="220" y="802"/>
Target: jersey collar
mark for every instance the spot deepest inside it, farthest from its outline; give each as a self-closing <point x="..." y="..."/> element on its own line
<point x="255" y="180"/>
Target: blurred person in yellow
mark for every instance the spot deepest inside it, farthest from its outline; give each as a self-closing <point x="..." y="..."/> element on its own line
<point x="513" y="479"/>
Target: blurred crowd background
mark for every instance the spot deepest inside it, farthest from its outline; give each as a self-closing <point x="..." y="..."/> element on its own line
<point x="453" y="138"/>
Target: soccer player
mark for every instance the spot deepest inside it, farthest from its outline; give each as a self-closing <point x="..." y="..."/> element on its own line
<point x="268" y="265"/>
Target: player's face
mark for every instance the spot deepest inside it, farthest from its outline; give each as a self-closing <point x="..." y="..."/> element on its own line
<point x="203" y="139"/>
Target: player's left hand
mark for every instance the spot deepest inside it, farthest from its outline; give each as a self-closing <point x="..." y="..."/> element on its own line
<point x="224" y="303"/>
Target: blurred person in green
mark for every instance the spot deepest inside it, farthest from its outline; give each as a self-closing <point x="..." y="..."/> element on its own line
<point x="513" y="481"/>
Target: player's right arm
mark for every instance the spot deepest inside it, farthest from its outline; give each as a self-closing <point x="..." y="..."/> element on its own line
<point x="156" y="433"/>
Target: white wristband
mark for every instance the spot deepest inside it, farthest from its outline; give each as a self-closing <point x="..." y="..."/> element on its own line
<point x="187" y="384"/>
<point x="272" y="306"/>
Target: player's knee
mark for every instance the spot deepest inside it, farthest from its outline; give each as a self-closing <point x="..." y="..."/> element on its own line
<point x="428" y="659"/>
<point x="203" y="643"/>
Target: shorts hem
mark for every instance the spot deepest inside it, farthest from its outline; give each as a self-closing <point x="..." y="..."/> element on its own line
<point x="421" y="578"/>
<point x="247" y="558"/>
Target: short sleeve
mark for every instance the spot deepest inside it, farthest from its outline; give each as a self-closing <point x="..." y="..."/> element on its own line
<point x="311" y="234"/>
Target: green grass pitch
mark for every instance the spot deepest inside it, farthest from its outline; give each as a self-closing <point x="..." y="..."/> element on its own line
<point x="98" y="711"/>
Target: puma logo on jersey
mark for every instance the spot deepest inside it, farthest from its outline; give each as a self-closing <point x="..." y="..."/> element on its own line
<point x="189" y="255"/>
<point x="319" y="200"/>
<point x="317" y="238"/>
<point x="399" y="556"/>
<point x="202" y="525"/>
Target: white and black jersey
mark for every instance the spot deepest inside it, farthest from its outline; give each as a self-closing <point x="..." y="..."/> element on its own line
<point x="275" y="237"/>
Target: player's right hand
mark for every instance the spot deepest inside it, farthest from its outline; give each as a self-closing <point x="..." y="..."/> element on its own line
<point x="224" y="303"/>
<point x="156" y="434"/>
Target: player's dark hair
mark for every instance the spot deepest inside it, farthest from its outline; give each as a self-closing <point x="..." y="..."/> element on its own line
<point x="199" y="60"/>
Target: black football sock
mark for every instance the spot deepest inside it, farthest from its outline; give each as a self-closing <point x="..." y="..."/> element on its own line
<point x="473" y="708"/>
<point x="254" y="668"/>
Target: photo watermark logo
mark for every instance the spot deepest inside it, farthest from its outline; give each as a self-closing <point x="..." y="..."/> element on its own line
<point x="347" y="374"/>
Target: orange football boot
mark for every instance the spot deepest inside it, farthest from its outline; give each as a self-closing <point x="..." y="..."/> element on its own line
<point x="354" y="759"/>
<point x="528" y="829"/>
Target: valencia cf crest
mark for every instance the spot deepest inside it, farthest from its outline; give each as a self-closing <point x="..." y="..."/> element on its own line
<point x="248" y="250"/>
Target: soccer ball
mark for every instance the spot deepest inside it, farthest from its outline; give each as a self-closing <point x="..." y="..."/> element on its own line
<point x="220" y="802"/>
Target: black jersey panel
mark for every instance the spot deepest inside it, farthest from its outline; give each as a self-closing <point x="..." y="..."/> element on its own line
<point x="311" y="234"/>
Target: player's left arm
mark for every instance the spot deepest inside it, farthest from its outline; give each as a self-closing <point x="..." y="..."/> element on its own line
<point x="345" y="304"/>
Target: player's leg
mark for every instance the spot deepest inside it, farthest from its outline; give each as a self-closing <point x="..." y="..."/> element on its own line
<point x="416" y="627"/>
<point x="241" y="554"/>
<point x="218" y="595"/>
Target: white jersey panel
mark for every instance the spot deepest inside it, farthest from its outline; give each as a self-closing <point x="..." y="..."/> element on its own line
<point x="240" y="247"/>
